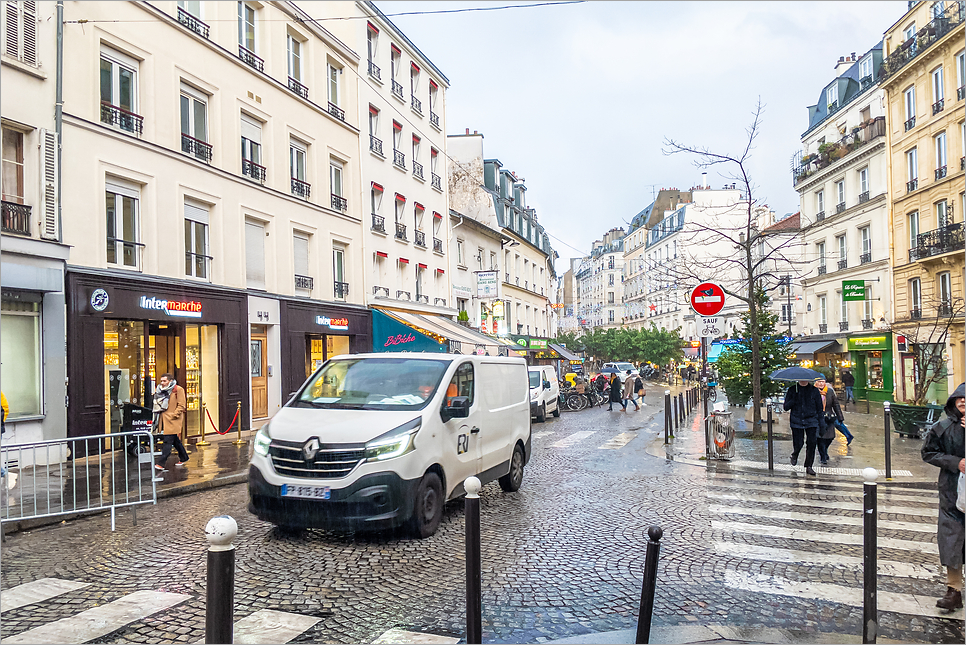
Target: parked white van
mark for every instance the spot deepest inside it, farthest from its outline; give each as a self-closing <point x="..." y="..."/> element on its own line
<point x="544" y="392"/>
<point x="374" y="441"/>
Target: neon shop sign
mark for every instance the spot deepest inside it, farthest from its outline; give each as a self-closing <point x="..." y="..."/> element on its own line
<point x="341" y="324"/>
<point x="181" y="308"/>
<point x="399" y="339"/>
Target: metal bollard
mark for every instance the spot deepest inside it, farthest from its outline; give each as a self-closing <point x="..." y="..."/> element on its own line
<point x="239" y="441"/>
<point x="681" y="411"/>
<point x="668" y="432"/>
<point x="204" y="422"/>
<point x="888" y="440"/>
<point x="474" y="600"/>
<point x="677" y="414"/>
<point x="220" y="605"/>
<point x="654" y="535"/>
<point x="771" y="444"/>
<point x="870" y="613"/>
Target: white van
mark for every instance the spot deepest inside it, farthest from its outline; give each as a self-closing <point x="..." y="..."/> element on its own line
<point x="375" y="441"/>
<point x="544" y="392"/>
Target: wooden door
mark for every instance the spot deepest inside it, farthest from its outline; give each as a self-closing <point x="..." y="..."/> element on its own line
<point x="259" y="373"/>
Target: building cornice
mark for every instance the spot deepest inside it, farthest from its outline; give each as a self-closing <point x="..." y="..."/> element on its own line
<point x="840" y="165"/>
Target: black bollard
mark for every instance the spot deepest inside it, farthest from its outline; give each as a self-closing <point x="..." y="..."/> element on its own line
<point x="888" y="441"/>
<point x="474" y="600"/>
<point x="668" y="432"/>
<point x="684" y="415"/>
<point x="654" y="534"/>
<point x="771" y="445"/>
<point x="220" y="605"/>
<point x="677" y="414"/>
<point x="870" y="613"/>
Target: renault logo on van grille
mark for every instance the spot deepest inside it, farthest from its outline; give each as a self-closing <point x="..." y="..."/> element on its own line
<point x="311" y="448"/>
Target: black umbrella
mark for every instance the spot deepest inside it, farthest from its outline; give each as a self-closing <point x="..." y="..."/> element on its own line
<point x="795" y="374"/>
<point x="610" y="370"/>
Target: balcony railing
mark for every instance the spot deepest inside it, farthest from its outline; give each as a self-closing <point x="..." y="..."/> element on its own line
<point x="340" y="290"/>
<point x="336" y="111"/>
<point x="253" y="170"/>
<point x="506" y="277"/>
<point x="250" y="58"/>
<point x="416" y="104"/>
<point x="863" y="197"/>
<point x="823" y="328"/>
<point x="375" y="145"/>
<point x="819" y="216"/>
<point x="16" y="218"/>
<point x="434" y="119"/>
<point x="121" y="118"/>
<point x="339" y="203"/>
<point x="839" y="207"/>
<point x="301" y="189"/>
<point x="944" y="309"/>
<point x="437" y="181"/>
<point x="843" y="264"/>
<point x="843" y="325"/>
<point x="403" y="295"/>
<point x="306" y="282"/>
<point x="417" y="170"/>
<point x="124" y="252"/>
<point x="380" y="291"/>
<point x="196" y="148"/>
<point x="378" y="223"/>
<point x="822" y="269"/>
<point x="867" y="323"/>
<point x="961" y="92"/>
<point x="911" y="185"/>
<point x="922" y="40"/>
<point x="962" y="163"/>
<point x="399" y="159"/>
<point x="298" y="88"/>
<point x="940" y="172"/>
<point x="197" y="265"/>
<point x="397" y="89"/>
<point x="910" y="124"/>
<point x="915" y="313"/>
<point x="192" y="23"/>
<point x="437" y="245"/>
<point x="422" y="298"/>
<point x="401" y="232"/>
<point x="440" y="302"/>
<point x="805" y="165"/>
<point x="865" y="258"/>
<point x="939" y="241"/>
<point x="419" y="238"/>
<point x="374" y="71"/>
<point x="937" y="107"/>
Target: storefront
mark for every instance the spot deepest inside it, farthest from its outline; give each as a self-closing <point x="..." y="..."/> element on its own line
<point x="871" y="364"/>
<point x="314" y="332"/>
<point x="124" y="332"/>
<point x="406" y="331"/>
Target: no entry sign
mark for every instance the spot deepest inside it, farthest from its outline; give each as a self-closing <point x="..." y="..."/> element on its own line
<point x="707" y="299"/>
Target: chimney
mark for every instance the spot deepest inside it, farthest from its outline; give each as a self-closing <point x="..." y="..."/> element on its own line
<point x="844" y="61"/>
<point x="467" y="130"/>
<point x="704" y="180"/>
<point x="475" y="132"/>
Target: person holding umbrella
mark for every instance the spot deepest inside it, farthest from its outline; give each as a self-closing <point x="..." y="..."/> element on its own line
<point x="616" y="392"/>
<point x="806" y="412"/>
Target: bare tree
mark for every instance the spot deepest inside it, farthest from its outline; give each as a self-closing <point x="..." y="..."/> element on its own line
<point x="745" y="256"/>
<point x="927" y="339"/>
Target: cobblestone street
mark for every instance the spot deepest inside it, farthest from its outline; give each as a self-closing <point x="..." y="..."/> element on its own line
<point x="562" y="557"/>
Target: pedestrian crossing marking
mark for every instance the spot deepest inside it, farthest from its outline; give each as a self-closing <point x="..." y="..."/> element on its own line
<point x="765" y="530"/>
<point x="271" y="626"/>
<point x="37" y="591"/>
<point x="544" y="433"/>
<point x="819" y="485"/>
<point x="822" y="470"/>
<point x="834" y="560"/>
<point x="899" y="603"/>
<point x="396" y="635"/>
<point x="618" y="441"/>
<point x="846" y="506"/>
<point x="98" y="621"/>
<point x="932" y="500"/>
<point x="825" y="519"/>
<point x="570" y="440"/>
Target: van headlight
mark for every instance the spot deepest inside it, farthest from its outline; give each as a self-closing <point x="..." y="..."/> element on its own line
<point x="395" y="443"/>
<point x="262" y="441"/>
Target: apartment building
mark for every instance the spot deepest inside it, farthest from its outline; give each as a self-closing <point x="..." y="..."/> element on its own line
<point x="923" y="75"/>
<point x="32" y="252"/>
<point x="781" y="255"/>
<point x="600" y="288"/>
<point x="841" y="177"/>
<point x="567" y="300"/>
<point x="211" y="156"/>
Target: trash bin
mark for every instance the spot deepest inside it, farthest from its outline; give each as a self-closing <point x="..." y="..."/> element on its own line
<point x="722" y="439"/>
<point x="914" y="420"/>
<point x="136" y="417"/>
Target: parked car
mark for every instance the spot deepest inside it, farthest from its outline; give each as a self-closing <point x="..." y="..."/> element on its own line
<point x="544" y="392"/>
<point x="622" y="368"/>
<point x="376" y="441"/>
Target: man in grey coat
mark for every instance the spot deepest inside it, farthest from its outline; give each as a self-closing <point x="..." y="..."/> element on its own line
<point x="943" y="447"/>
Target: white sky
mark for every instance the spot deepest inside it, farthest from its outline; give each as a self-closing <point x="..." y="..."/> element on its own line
<point x="577" y="99"/>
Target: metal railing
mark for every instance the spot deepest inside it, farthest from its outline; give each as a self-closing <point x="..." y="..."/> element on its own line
<point x="340" y="290"/>
<point x="422" y="298"/>
<point x="434" y="119"/>
<point x="419" y="238"/>
<point x="437" y="245"/>
<point x="915" y="313"/>
<point x="397" y="89"/>
<point x="298" y="88"/>
<point x="306" y="282"/>
<point x="196" y="148"/>
<point x="300" y="188"/>
<point x="401" y="231"/>
<point x="839" y="207"/>
<point x="378" y="223"/>
<point x="843" y="264"/>
<point x="197" y="265"/>
<point x="940" y="172"/>
<point x="126" y="252"/>
<point x="436" y="181"/>
<point x="865" y="258"/>
<point x="822" y="269"/>
<point x="417" y="169"/>
<point x="820" y="216"/>
<point x="823" y="328"/>
<point x="340" y="203"/>
<point x="863" y="197"/>
<point x="380" y="291"/>
<point x="336" y="111"/>
<point x="78" y="475"/>
<point x="253" y="170"/>
<point x="805" y="165"/>
<point x="399" y="159"/>
<point x="867" y="323"/>
<point x="192" y="23"/>
<point x="922" y="40"/>
<point x="16" y="218"/>
<point x="375" y="145"/>
<point x="937" y="107"/>
<point x="910" y="123"/>
<point x="123" y="119"/>
<point x="944" y="309"/>
<point x="440" y="302"/>
<point x="961" y="92"/>
<point x="843" y="325"/>
<point x="374" y="71"/>
<point x="911" y="185"/>
<point x="400" y="293"/>
<point x="942" y="240"/>
<point x="250" y="58"/>
<point x="416" y="104"/>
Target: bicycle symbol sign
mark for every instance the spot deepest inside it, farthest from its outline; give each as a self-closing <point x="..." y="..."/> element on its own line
<point x="710" y="326"/>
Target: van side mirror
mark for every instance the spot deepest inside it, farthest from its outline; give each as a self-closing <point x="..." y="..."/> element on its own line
<point x="546" y="385"/>
<point x="458" y="408"/>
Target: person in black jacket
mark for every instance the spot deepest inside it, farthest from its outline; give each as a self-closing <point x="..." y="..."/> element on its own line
<point x="833" y="413"/>
<point x="943" y="447"/>
<point x="848" y="380"/>
<point x="616" y="393"/>
<point x="806" y="418"/>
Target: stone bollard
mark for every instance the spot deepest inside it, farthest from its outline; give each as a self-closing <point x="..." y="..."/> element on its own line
<point x="220" y="605"/>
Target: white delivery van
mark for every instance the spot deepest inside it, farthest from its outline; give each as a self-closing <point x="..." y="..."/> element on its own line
<point x="374" y="441"/>
<point x="544" y="392"/>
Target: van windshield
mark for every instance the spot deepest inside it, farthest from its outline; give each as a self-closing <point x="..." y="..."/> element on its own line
<point x="534" y="379"/>
<point x="373" y="384"/>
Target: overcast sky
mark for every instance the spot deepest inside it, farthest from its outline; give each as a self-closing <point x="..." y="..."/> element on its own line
<point x="578" y="98"/>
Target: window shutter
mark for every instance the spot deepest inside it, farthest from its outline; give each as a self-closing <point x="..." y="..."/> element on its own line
<point x="255" y="254"/>
<point x="251" y="129"/>
<point x="12" y="28"/>
<point x="48" y="160"/>
<point x="196" y="213"/>
<point x="301" y="254"/>
<point x="30" y="32"/>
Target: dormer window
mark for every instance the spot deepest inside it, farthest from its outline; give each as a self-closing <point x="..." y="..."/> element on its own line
<point x="865" y="70"/>
<point x="833" y="97"/>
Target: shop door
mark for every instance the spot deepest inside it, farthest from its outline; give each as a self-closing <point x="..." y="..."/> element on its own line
<point x="259" y="372"/>
<point x="164" y="355"/>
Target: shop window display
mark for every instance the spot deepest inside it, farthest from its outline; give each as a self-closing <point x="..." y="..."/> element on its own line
<point x="21" y="352"/>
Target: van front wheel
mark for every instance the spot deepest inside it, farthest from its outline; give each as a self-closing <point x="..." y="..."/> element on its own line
<point x="542" y="415"/>
<point x="512" y="481"/>
<point x="428" y="509"/>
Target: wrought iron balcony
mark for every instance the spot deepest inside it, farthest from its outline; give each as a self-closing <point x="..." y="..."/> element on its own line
<point x="437" y="245"/>
<point x="437" y="181"/>
<point x="962" y="163"/>
<point x="839" y="207"/>
<point x="250" y="58"/>
<point x="937" y="242"/>
<point x="192" y="23"/>
<point x="416" y="104"/>
<point x="434" y="119"/>
<point x="940" y="172"/>
<point x="374" y="71"/>
<point x="196" y="148"/>
<point x="336" y="111"/>
<point x="819" y="216"/>
<point x="422" y="298"/>
<point x="378" y="223"/>
<point x="911" y="185"/>
<point x="306" y="282"/>
<point x="375" y="145"/>
<point x="843" y="264"/>
<point x="941" y="25"/>
<point x="843" y="325"/>
<point x="124" y="252"/>
<point x="915" y="313"/>
<point x="863" y="197"/>
<point x="867" y="323"/>
<point x="298" y="88"/>
<point x="301" y="188"/>
<point x="380" y="291"/>
<point x="397" y="90"/>
<point x="417" y="170"/>
<point x="440" y="302"/>
<point x="944" y="309"/>
<point x="339" y="203"/>
<point x="399" y="159"/>
<point x="197" y="265"/>
<point x="121" y="118"/>
<point x="821" y="269"/>
<point x="403" y="295"/>
<point x="910" y="124"/>
<point x="506" y="277"/>
<point x="805" y="165"/>
<point x="16" y="218"/>
<point x="419" y="238"/>
<point x="937" y="107"/>
<point x="823" y="328"/>
<point x="960" y="92"/>
<point x="401" y="232"/>
<point x="865" y="258"/>
<point x="340" y="290"/>
<point x="253" y="170"/>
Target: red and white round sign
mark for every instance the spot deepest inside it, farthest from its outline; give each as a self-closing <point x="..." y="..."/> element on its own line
<point x="707" y="299"/>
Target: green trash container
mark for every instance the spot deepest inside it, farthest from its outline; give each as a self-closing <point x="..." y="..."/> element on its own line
<point x="914" y="420"/>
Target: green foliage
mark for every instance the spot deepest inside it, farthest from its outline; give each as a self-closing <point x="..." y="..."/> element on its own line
<point x="636" y="345"/>
<point x="462" y="316"/>
<point x="570" y="340"/>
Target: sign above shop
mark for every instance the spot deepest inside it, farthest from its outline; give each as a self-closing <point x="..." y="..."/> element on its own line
<point x="487" y="284"/>
<point x="340" y="324"/>
<point x="853" y="290"/>
<point x="99" y="300"/>
<point x="869" y="343"/>
<point x="181" y="308"/>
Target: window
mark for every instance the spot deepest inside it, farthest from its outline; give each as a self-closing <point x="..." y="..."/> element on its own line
<point x="820" y="201"/>
<point x="21" y="347"/>
<point x="912" y="165"/>
<point x="909" y="31"/>
<point x="123" y="246"/>
<point x="335" y="175"/>
<point x="915" y="296"/>
<point x="375" y="197"/>
<point x="864" y="180"/>
<point x="191" y="6"/>
<point x="820" y="248"/>
<point x="866" y="236"/>
<point x="194" y="123"/>
<point x="255" y="254"/>
<point x="118" y="86"/>
<point x="822" y="310"/>
<point x="373" y="121"/>
<point x="462" y="383"/>
<point x="246" y="26"/>
<point x="493" y="260"/>
<point x="20" y="31"/>
<point x="433" y="160"/>
<point x="372" y="42"/>
<point x="400" y="207"/>
<point x="396" y="135"/>
<point x="460" y="260"/>
<point x="865" y="68"/>
<point x="251" y="148"/>
<point x="940" y="143"/>
<point x="294" y="58"/>
<point x="610" y="315"/>
<point x="297" y="155"/>
<point x="913" y="219"/>
<point x="610" y="280"/>
<point x="833" y="96"/>
<point x="418" y="213"/>
<point x="960" y="73"/>
<point x="610" y="297"/>
<point x="13" y="188"/>
<point x="945" y="289"/>
<point x="937" y="8"/>
<point x="909" y="100"/>
<point x="196" y="241"/>
<point x="433" y="95"/>
<point x="300" y="255"/>
<point x="338" y="272"/>
<point x="942" y="214"/>
<point x="840" y="192"/>
<point x="413" y="79"/>
<point x="333" y="75"/>
<point x="937" y="86"/>
<point x="415" y="148"/>
<point x="867" y="313"/>
<point x="843" y="308"/>
<point x="395" y="60"/>
<point x="786" y="313"/>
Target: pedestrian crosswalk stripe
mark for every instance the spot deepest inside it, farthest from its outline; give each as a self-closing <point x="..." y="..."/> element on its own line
<point x="37" y="591"/>
<point x="98" y="621"/>
<point x="618" y="441"/>
<point x="822" y="470"/>
<point x="824" y="519"/>
<point x="900" y="603"/>
<point x="931" y="501"/>
<point x="270" y="626"/>
<point x="819" y="485"/>
<point x="848" y="506"/>
<point x="835" y="560"/>
<point x="570" y="440"/>
<point x="765" y="530"/>
<point x="396" y="635"/>
<point x="541" y="435"/>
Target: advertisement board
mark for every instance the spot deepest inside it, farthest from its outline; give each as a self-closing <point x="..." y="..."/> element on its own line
<point x="487" y="284"/>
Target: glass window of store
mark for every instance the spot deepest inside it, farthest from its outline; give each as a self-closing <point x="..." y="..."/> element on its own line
<point x="123" y="227"/>
<point x="196" y="258"/>
<point x="21" y="350"/>
<point x="322" y="347"/>
<point x="874" y="377"/>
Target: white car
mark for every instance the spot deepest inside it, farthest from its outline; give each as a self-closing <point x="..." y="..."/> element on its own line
<point x="544" y="392"/>
<point x="623" y="367"/>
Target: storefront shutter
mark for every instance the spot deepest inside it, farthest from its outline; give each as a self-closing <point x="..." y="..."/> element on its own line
<point x="48" y="160"/>
<point x="301" y="254"/>
<point x="255" y="254"/>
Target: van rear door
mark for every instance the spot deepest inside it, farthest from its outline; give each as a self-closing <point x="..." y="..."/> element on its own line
<point x="505" y="395"/>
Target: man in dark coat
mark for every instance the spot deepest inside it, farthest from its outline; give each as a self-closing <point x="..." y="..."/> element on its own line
<point x="806" y="418"/>
<point x="943" y="447"/>
<point x="616" y="393"/>
<point x="848" y="380"/>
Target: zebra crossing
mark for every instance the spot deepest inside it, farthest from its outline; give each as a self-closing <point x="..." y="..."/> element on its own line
<point x="615" y="442"/>
<point x="750" y="513"/>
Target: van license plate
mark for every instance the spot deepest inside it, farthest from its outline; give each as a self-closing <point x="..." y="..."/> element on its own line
<point x="307" y="492"/>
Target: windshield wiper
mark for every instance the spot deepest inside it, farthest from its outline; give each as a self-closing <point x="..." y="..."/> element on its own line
<point x="345" y="406"/>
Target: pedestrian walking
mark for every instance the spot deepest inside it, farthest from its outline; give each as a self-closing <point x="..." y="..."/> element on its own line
<point x="806" y="417"/>
<point x="832" y="416"/>
<point x="943" y="447"/>
<point x="615" y="392"/>
<point x="170" y="407"/>
<point x="848" y="380"/>
<point x="630" y="395"/>
<point x="639" y="388"/>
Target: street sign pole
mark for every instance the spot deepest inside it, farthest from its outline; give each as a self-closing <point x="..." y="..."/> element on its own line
<point x="707" y="299"/>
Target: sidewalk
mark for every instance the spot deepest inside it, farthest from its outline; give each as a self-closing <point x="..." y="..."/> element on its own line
<point x="681" y="634"/>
